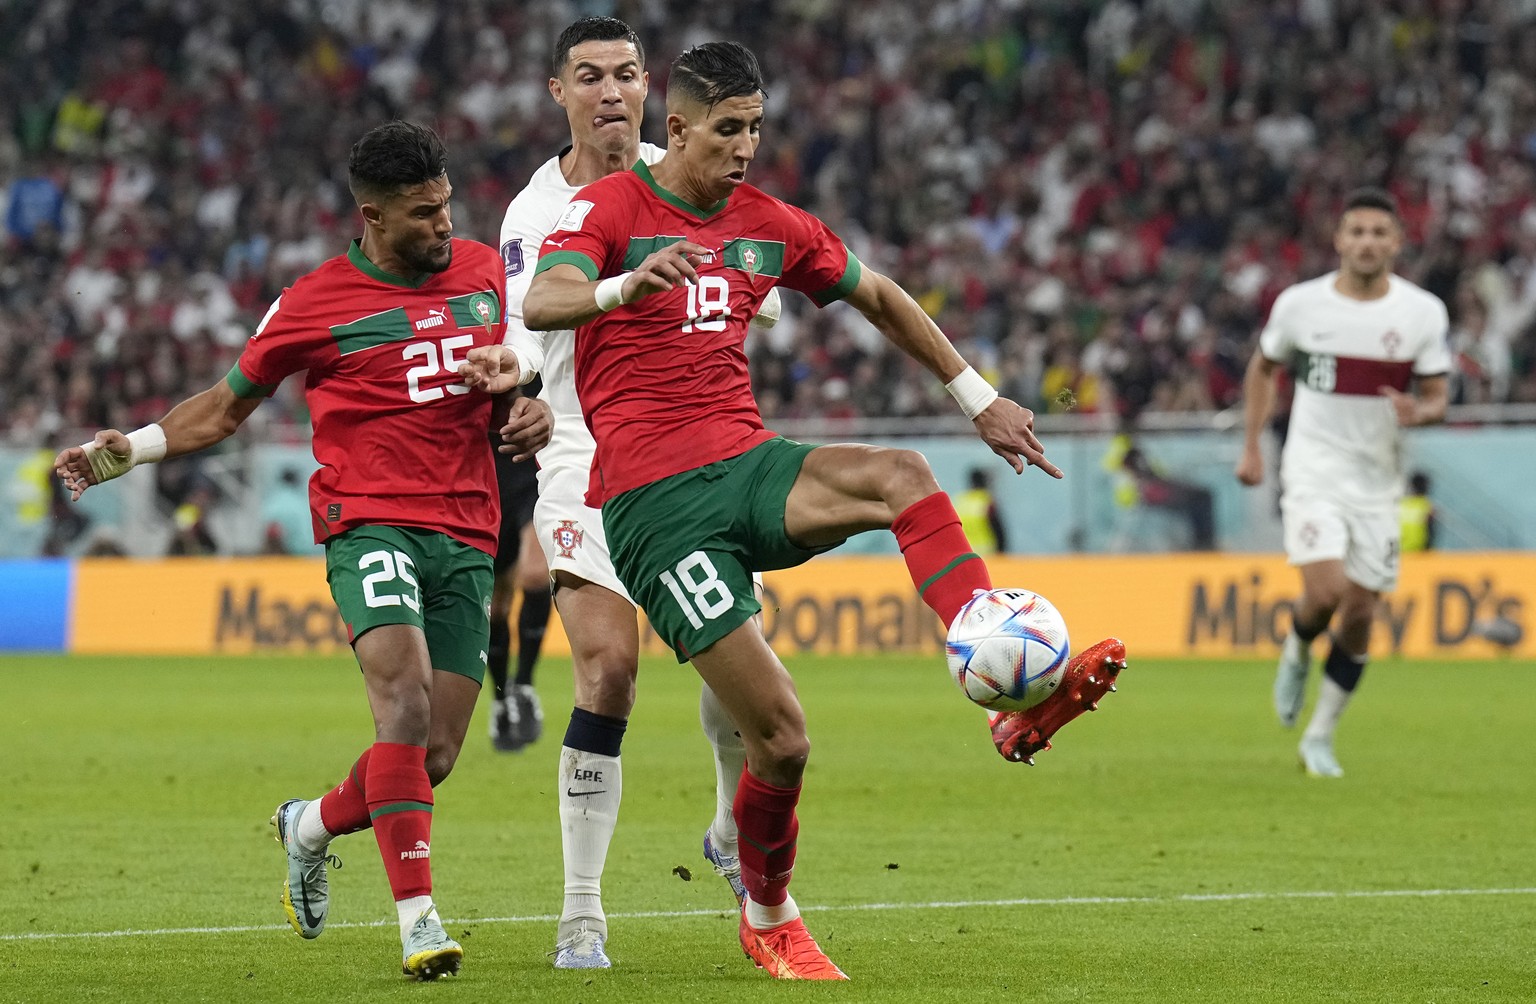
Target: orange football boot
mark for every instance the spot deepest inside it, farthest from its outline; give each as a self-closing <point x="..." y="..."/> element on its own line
<point x="1019" y="735"/>
<point x="788" y="952"/>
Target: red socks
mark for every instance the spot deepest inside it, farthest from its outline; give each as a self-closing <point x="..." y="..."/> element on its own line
<point x="400" y="805"/>
<point x="765" y="820"/>
<point x="939" y="558"/>
<point x="344" y="809"/>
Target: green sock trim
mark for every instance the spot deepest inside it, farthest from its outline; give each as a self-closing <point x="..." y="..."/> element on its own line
<point x="766" y="849"/>
<point x="385" y="810"/>
<point x="936" y="576"/>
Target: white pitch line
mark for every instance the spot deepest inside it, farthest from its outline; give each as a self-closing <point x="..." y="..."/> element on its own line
<point x="1215" y="897"/>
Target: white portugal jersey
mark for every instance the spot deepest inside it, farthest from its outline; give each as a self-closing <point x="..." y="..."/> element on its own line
<point x="531" y="216"/>
<point x="1344" y="441"/>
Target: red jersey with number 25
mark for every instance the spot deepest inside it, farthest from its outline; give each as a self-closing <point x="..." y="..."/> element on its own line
<point x="663" y="381"/>
<point x="400" y="440"/>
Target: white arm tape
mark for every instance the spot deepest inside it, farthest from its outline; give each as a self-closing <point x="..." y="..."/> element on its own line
<point x="610" y="292"/>
<point x="145" y="446"/>
<point x="972" y="392"/>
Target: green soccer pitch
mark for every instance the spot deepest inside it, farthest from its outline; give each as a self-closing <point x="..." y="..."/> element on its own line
<point x="1168" y="849"/>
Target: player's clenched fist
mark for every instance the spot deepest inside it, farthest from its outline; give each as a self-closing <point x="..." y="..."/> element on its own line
<point x="1250" y="468"/>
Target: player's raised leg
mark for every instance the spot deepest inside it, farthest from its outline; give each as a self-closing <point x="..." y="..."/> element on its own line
<point x="844" y="489"/>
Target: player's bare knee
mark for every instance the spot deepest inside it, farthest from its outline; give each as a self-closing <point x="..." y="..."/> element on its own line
<point x="1321" y="603"/>
<point x="402" y="710"/>
<point x="605" y="684"/>
<point x="612" y="696"/>
<point x="906" y="479"/>
<point x="781" y="756"/>
<point x="1355" y="625"/>
<point x="440" y="760"/>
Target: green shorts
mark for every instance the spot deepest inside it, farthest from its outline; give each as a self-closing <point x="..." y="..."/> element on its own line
<point x="686" y="546"/>
<point x="405" y="575"/>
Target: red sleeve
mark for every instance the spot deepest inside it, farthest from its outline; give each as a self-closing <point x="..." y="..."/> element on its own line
<point x="817" y="263"/>
<point x="285" y="342"/>
<point x="589" y="232"/>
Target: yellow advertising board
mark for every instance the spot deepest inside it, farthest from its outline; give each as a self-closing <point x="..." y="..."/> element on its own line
<point x="1162" y="605"/>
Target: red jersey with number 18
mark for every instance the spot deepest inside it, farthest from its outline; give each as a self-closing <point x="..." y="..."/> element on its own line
<point x="400" y="440"/>
<point x="663" y="381"/>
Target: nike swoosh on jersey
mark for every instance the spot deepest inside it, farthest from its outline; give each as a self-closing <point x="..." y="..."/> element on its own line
<point x="578" y="794"/>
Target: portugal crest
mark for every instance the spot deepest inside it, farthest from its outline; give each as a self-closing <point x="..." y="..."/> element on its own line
<point x="567" y="537"/>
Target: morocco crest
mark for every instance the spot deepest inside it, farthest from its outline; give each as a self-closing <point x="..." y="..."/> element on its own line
<point x="567" y="537"/>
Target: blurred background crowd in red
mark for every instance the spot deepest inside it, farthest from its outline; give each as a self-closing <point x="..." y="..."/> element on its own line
<point x="1101" y="197"/>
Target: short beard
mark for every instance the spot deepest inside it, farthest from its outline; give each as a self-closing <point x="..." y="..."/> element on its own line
<point x="420" y="263"/>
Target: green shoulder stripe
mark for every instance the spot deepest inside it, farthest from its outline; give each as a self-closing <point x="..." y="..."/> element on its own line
<point x="845" y="285"/>
<point x="243" y="387"/>
<point x="587" y="265"/>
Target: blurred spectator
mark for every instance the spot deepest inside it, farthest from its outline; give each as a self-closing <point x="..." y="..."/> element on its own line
<point x="289" y="527"/>
<point x="190" y="520"/>
<point x="1416" y="515"/>
<point x="1097" y="200"/>
<point x="979" y="516"/>
<point x="1139" y="482"/>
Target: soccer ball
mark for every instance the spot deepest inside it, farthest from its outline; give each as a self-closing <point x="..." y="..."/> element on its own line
<point x="1007" y="649"/>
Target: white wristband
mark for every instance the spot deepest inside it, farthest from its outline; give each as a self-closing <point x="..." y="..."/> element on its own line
<point x="610" y="292"/>
<point x="972" y="392"/>
<point x="145" y="446"/>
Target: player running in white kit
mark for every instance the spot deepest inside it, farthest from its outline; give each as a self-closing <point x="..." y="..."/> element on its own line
<point x="1369" y="355"/>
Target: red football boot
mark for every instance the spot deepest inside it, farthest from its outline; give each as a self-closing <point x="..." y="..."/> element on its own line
<point x="1019" y="735"/>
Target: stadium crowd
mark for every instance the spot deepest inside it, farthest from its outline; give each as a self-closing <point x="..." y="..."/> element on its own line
<point x="1089" y="196"/>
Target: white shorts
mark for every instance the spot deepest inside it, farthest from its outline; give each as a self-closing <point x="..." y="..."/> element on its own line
<point x="571" y="532"/>
<point x="1318" y="528"/>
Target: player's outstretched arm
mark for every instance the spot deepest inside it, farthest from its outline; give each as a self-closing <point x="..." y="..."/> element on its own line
<point x="195" y="424"/>
<point x="1005" y="426"/>
<point x="1258" y="401"/>
<point x="563" y="297"/>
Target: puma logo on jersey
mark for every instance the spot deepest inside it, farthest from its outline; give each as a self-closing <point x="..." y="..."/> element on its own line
<point x="435" y="319"/>
<point x="421" y="850"/>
